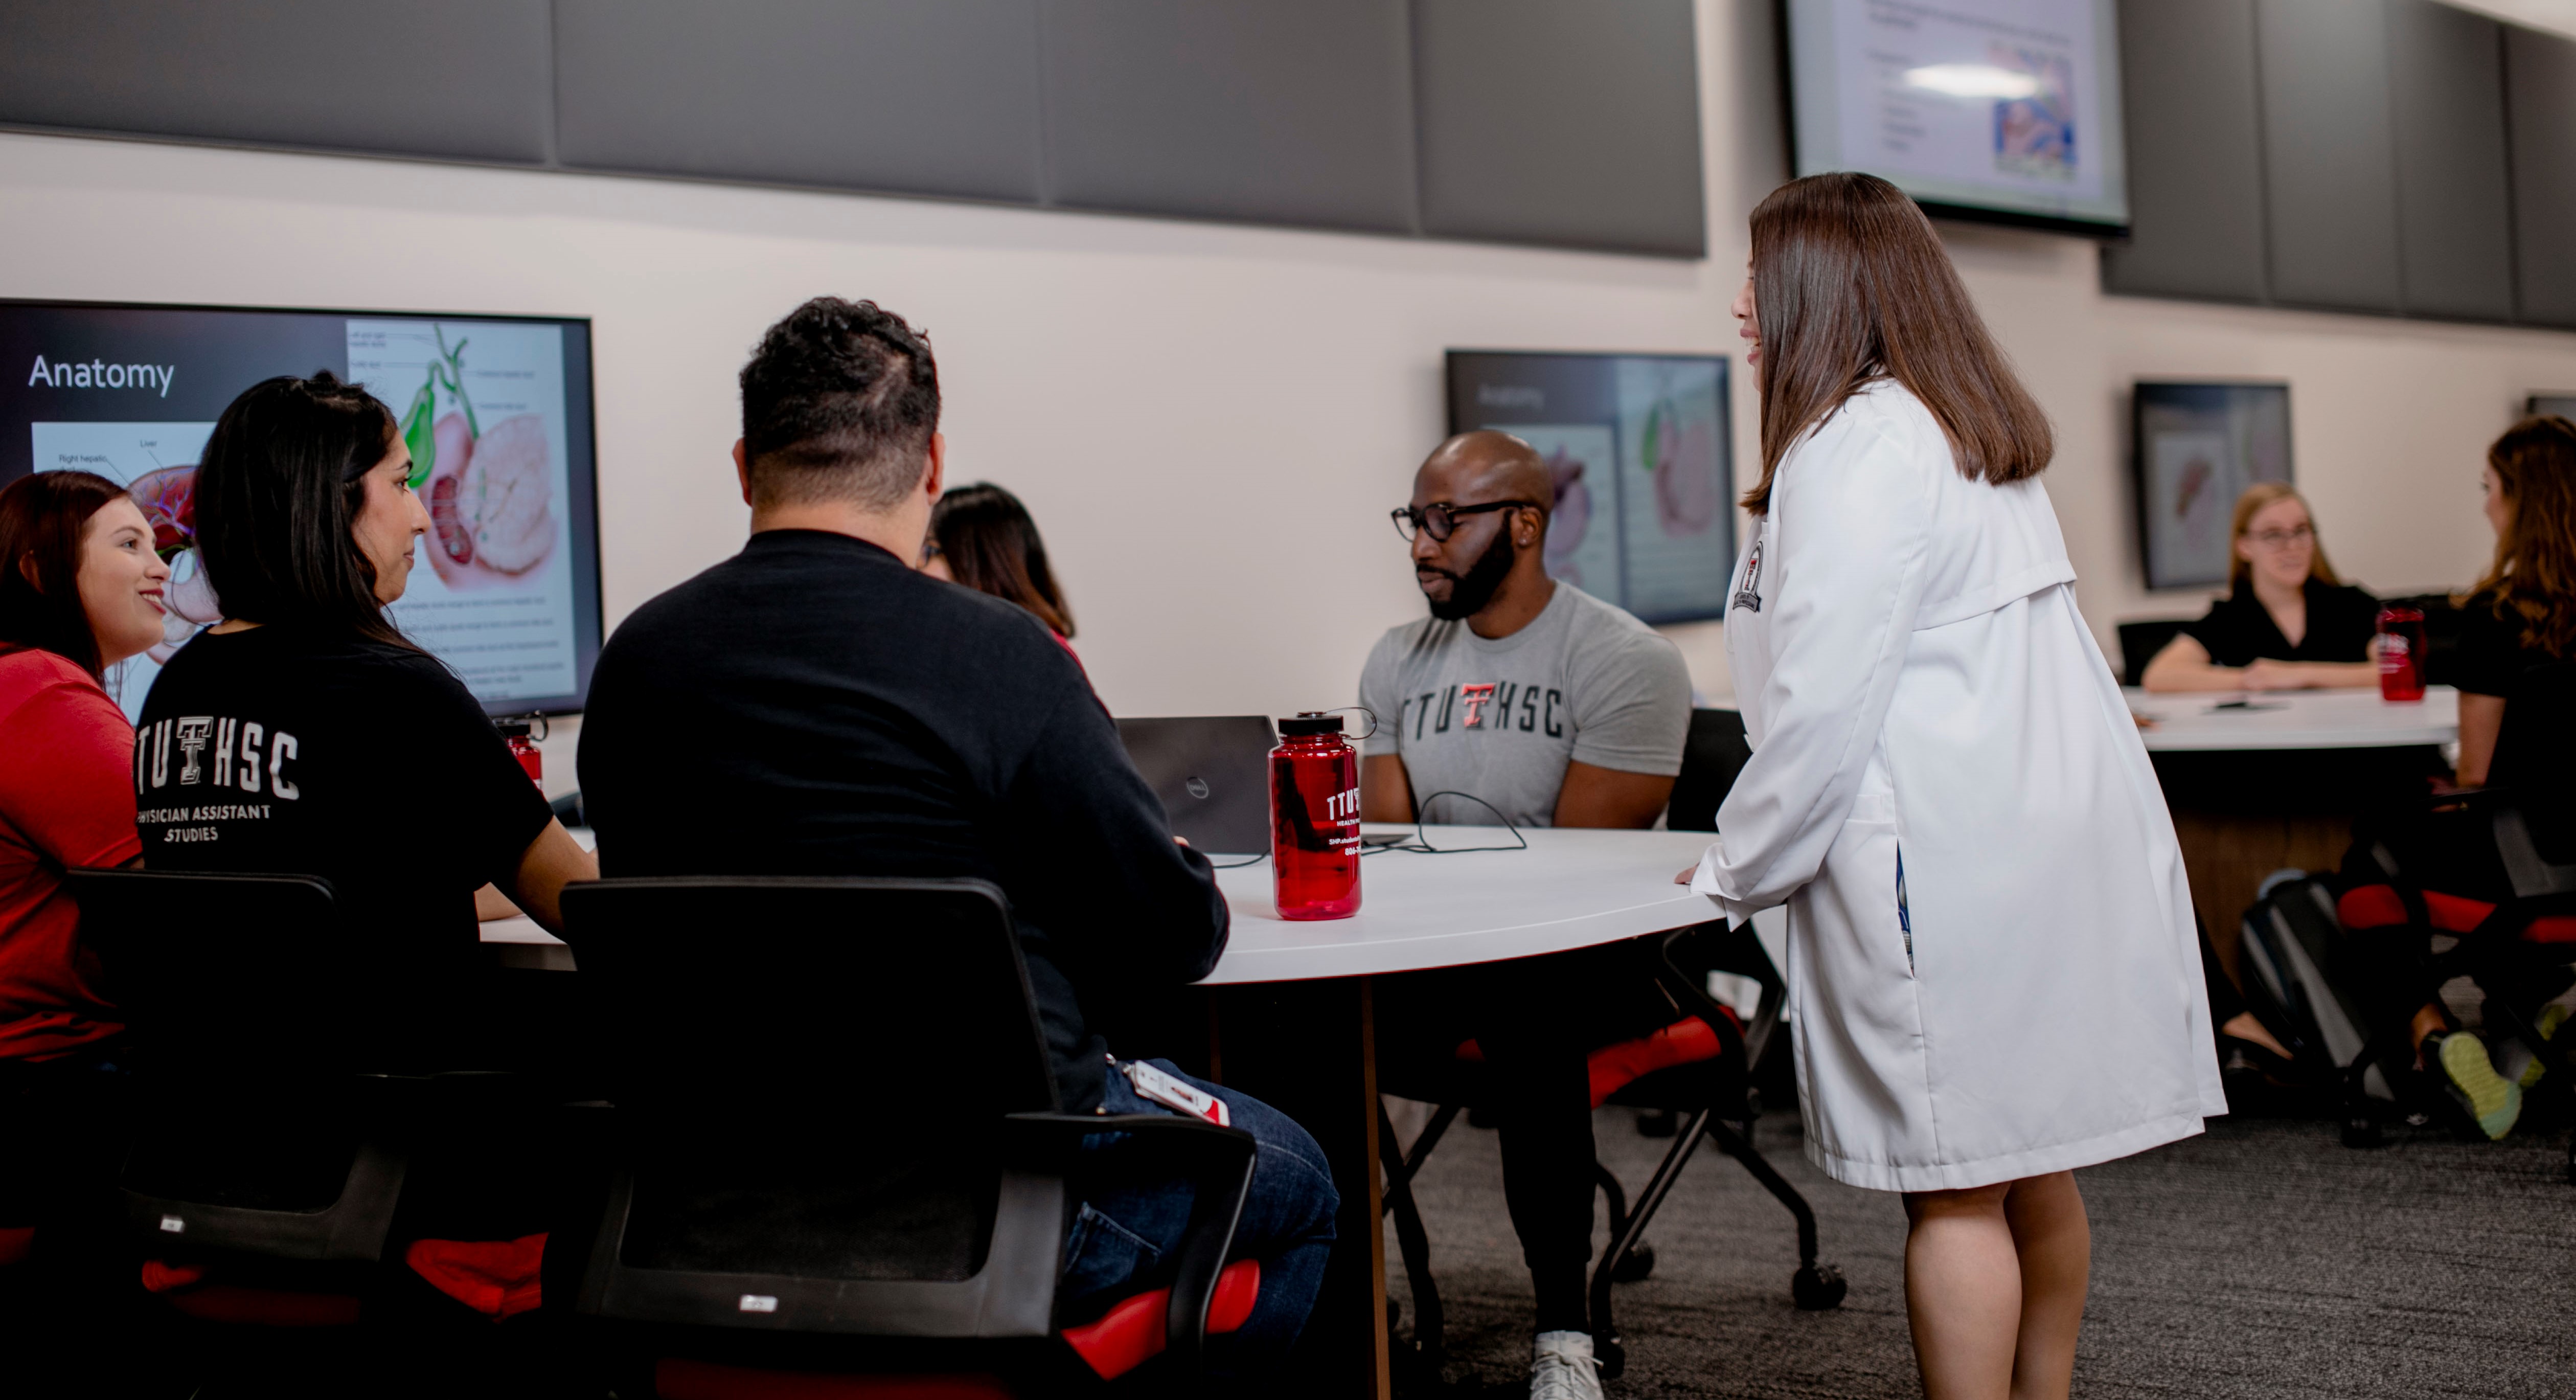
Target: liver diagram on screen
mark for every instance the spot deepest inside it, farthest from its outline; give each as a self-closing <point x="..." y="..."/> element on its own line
<point x="486" y="486"/>
<point x="1682" y="458"/>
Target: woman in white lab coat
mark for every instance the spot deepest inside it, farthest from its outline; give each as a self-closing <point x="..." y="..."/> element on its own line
<point x="1994" y="972"/>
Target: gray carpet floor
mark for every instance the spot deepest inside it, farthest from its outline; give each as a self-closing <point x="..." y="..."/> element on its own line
<point x="2262" y="1259"/>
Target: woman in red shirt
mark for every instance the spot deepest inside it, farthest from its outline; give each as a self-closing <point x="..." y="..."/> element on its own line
<point x="80" y="590"/>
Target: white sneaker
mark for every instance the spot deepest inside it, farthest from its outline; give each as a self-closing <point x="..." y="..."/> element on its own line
<point x="1562" y="1368"/>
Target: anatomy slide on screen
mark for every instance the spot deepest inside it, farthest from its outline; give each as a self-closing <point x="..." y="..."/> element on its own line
<point x="1998" y="93"/>
<point x="481" y="405"/>
<point x="1673" y="491"/>
<point x="1583" y="521"/>
<point x="157" y="464"/>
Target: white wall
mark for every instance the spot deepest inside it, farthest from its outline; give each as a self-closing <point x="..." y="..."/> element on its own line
<point x="1211" y="422"/>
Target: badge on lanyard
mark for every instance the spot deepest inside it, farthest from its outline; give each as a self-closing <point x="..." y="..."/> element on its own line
<point x="1749" y="597"/>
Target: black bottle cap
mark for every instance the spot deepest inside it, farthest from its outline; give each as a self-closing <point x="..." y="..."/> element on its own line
<point x="1310" y="722"/>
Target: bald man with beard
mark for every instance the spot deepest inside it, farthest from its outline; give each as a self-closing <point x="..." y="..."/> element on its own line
<point x="1548" y="707"/>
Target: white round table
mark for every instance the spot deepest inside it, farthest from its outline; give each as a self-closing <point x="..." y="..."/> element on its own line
<point x="1570" y="889"/>
<point x="2295" y="719"/>
<point x="1289" y="1014"/>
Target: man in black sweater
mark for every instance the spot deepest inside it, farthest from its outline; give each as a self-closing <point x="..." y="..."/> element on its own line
<point x="816" y="706"/>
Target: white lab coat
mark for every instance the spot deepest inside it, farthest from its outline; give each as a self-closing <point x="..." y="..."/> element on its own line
<point x="1919" y="688"/>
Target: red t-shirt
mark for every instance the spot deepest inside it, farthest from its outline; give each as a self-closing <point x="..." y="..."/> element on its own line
<point x="66" y="799"/>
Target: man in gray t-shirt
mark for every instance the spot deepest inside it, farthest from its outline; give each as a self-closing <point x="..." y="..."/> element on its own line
<point x="1558" y="710"/>
<point x="1526" y="693"/>
<point x="1551" y="724"/>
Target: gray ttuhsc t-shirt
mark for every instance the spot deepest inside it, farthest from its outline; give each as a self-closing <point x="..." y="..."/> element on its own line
<point x="1499" y="719"/>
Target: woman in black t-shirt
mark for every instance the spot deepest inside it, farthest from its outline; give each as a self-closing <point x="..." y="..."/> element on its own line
<point x="2287" y="623"/>
<point x="305" y="734"/>
<point x="2523" y="613"/>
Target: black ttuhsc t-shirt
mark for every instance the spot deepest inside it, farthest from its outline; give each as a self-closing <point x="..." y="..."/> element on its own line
<point x="279" y="751"/>
<point x="813" y="706"/>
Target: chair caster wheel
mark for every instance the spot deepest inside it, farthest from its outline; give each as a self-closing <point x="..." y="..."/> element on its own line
<point x="1610" y="1356"/>
<point x="1818" y="1287"/>
<point x="2361" y="1132"/>
<point x="1639" y="1263"/>
<point x="1658" y="1123"/>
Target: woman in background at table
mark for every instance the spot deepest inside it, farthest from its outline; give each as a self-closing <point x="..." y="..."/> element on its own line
<point x="2523" y="613"/>
<point x="80" y="590"/>
<point x="981" y="536"/>
<point x="2287" y="623"/>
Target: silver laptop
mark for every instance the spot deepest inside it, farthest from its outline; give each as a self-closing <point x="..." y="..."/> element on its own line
<point x="1212" y="772"/>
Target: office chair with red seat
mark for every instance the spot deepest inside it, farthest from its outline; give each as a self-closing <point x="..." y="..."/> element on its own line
<point x="270" y="1153"/>
<point x="1699" y="1066"/>
<point x="838" y="1162"/>
<point x="2517" y="949"/>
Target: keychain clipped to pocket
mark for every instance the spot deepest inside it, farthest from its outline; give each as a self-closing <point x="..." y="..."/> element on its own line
<point x="1174" y="1093"/>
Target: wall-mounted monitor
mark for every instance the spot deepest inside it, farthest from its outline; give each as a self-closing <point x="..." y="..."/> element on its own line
<point x="2546" y="405"/>
<point x="2000" y="110"/>
<point x="496" y="411"/>
<point x="2196" y="447"/>
<point x="1642" y="456"/>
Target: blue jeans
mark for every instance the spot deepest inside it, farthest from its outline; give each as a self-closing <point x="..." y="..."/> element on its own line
<point x="1134" y="1213"/>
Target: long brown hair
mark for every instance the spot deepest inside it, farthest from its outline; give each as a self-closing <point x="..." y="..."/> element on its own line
<point x="2534" y="573"/>
<point x="2251" y="504"/>
<point x="42" y="520"/>
<point x="1851" y="284"/>
<point x="992" y="546"/>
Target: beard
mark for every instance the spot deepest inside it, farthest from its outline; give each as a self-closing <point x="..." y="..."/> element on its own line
<point x="1471" y="591"/>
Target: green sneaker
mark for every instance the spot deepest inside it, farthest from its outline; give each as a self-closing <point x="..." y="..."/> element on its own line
<point x="2492" y="1099"/>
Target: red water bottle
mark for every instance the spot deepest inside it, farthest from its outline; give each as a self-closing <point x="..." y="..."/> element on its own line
<point x="2401" y="653"/>
<point x="516" y="733"/>
<point x="1315" y="819"/>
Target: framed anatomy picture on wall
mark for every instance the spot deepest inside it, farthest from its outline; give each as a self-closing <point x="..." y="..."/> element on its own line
<point x="2195" y="448"/>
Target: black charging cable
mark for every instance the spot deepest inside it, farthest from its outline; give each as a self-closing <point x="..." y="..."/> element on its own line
<point x="1421" y="843"/>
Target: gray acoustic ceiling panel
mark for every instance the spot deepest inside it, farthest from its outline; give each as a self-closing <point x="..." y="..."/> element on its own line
<point x="1548" y="122"/>
<point x="931" y="97"/>
<point x="2195" y="153"/>
<point x="1268" y="111"/>
<point x="2329" y="154"/>
<point x="2454" y="210"/>
<point x="462" y="79"/>
<point x="2540" y="84"/>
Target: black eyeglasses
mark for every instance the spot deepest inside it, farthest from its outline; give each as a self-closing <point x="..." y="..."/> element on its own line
<point x="1440" y="519"/>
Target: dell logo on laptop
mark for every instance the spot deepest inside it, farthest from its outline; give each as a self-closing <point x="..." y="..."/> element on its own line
<point x="1197" y="787"/>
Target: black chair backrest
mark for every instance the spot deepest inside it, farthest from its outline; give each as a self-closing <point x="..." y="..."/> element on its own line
<point x="813" y="1075"/>
<point x="226" y="973"/>
<point x="1711" y="758"/>
<point x="728" y="996"/>
<point x="257" y="1133"/>
<point x="2139" y="643"/>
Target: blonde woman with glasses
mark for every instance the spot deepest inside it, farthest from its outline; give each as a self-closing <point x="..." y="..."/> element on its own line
<point x="2287" y="622"/>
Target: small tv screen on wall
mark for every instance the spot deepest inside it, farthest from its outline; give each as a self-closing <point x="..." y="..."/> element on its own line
<point x="1642" y="514"/>
<point x="2196" y="447"/>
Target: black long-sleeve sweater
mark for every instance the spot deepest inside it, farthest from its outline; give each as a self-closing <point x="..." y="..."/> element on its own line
<point x="814" y="707"/>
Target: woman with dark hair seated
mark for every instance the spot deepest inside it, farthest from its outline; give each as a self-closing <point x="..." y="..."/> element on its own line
<point x="981" y="536"/>
<point x="2522" y="614"/>
<point x="305" y="734"/>
<point x="322" y="740"/>
<point x="80" y="590"/>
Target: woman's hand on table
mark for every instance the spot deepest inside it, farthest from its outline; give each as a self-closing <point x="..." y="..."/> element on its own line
<point x="2264" y="673"/>
<point x="1689" y="872"/>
